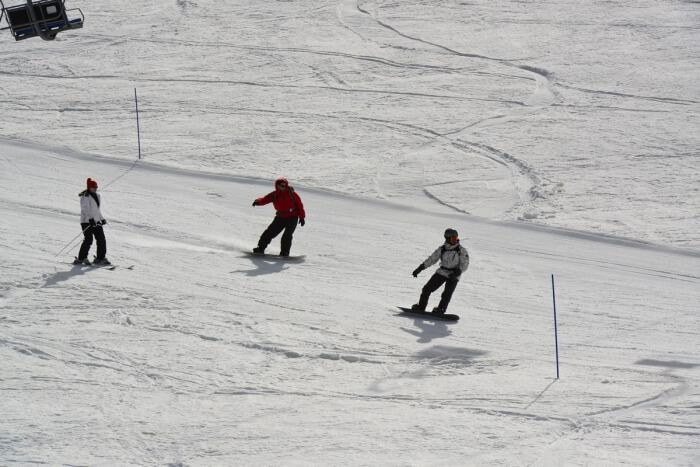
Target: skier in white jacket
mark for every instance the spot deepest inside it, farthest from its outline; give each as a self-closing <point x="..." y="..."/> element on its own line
<point x="91" y="220"/>
<point x="454" y="260"/>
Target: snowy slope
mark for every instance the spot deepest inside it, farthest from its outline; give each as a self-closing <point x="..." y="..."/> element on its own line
<point x="577" y="115"/>
<point x="200" y="356"/>
<point x="548" y="133"/>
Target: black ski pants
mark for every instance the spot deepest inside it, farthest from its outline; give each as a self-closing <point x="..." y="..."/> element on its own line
<point x="99" y="235"/>
<point x="279" y="224"/>
<point x="435" y="283"/>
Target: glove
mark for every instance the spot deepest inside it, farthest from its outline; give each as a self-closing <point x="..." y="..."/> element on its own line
<point x="92" y="222"/>
<point x="302" y="222"/>
<point x="255" y="203"/>
<point x="418" y="270"/>
<point x="103" y="221"/>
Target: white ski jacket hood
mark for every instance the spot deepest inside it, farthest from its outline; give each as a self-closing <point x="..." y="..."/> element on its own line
<point x="89" y="208"/>
<point x="451" y="257"/>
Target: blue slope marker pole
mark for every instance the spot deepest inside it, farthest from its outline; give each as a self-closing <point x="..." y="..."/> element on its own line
<point x="556" y="338"/>
<point x="138" y="128"/>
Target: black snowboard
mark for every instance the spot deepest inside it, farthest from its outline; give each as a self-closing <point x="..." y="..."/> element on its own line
<point x="266" y="255"/>
<point x="429" y="315"/>
<point x="109" y="266"/>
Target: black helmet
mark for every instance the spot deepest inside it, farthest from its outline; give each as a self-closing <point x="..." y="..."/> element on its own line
<point x="451" y="233"/>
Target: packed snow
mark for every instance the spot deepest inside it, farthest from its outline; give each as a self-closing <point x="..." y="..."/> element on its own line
<point x="559" y="138"/>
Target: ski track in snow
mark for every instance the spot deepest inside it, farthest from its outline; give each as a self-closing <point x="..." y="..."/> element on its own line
<point x="362" y="22"/>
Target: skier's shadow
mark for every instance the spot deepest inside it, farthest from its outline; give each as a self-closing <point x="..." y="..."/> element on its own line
<point x="63" y="276"/>
<point x="264" y="266"/>
<point x="429" y="330"/>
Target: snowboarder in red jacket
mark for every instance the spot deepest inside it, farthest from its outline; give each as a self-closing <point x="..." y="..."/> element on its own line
<point x="290" y="211"/>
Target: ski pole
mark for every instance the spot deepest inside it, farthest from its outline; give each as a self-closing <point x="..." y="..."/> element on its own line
<point x="71" y="242"/>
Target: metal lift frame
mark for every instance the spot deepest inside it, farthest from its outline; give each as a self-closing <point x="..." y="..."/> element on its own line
<point x="42" y="21"/>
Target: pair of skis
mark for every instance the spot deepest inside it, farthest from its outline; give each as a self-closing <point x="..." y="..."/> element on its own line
<point x="109" y="267"/>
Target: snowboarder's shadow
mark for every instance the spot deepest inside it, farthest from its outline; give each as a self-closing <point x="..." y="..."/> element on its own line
<point x="264" y="266"/>
<point x="429" y="330"/>
<point x="63" y="276"/>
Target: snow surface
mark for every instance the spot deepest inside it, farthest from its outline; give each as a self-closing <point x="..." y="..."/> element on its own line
<point x="394" y="120"/>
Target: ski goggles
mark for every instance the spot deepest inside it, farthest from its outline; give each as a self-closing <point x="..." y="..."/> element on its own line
<point x="454" y="239"/>
<point x="282" y="185"/>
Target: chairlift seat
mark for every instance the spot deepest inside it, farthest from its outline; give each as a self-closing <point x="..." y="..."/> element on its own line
<point x="49" y="18"/>
<point x="54" y="27"/>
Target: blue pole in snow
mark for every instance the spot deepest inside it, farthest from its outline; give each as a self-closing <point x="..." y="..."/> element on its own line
<point x="138" y="128"/>
<point x="556" y="339"/>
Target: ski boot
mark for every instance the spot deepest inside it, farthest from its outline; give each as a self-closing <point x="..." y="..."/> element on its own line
<point x="84" y="261"/>
<point x="258" y="250"/>
<point x="101" y="262"/>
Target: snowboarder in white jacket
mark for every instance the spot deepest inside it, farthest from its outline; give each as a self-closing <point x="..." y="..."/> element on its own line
<point x="454" y="260"/>
<point x="91" y="220"/>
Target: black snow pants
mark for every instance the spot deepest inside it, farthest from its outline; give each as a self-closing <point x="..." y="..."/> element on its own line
<point x="433" y="284"/>
<point x="279" y="224"/>
<point x="99" y="234"/>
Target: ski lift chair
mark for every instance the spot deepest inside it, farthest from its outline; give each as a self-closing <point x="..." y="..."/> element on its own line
<point x="45" y="18"/>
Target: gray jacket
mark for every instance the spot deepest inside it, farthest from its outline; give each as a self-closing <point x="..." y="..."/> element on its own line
<point x="451" y="257"/>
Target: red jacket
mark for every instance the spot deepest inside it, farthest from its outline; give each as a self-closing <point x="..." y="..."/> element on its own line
<point x="287" y="202"/>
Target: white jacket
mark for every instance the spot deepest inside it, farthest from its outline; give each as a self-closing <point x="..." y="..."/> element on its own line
<point x="89" y="209"/>
<point x="451" y="258"/>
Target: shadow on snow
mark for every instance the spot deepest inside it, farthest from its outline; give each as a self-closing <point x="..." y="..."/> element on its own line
<point x="429" y="329"/>
<point x="62" y="276"/>
<point x="264" y="265"/>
